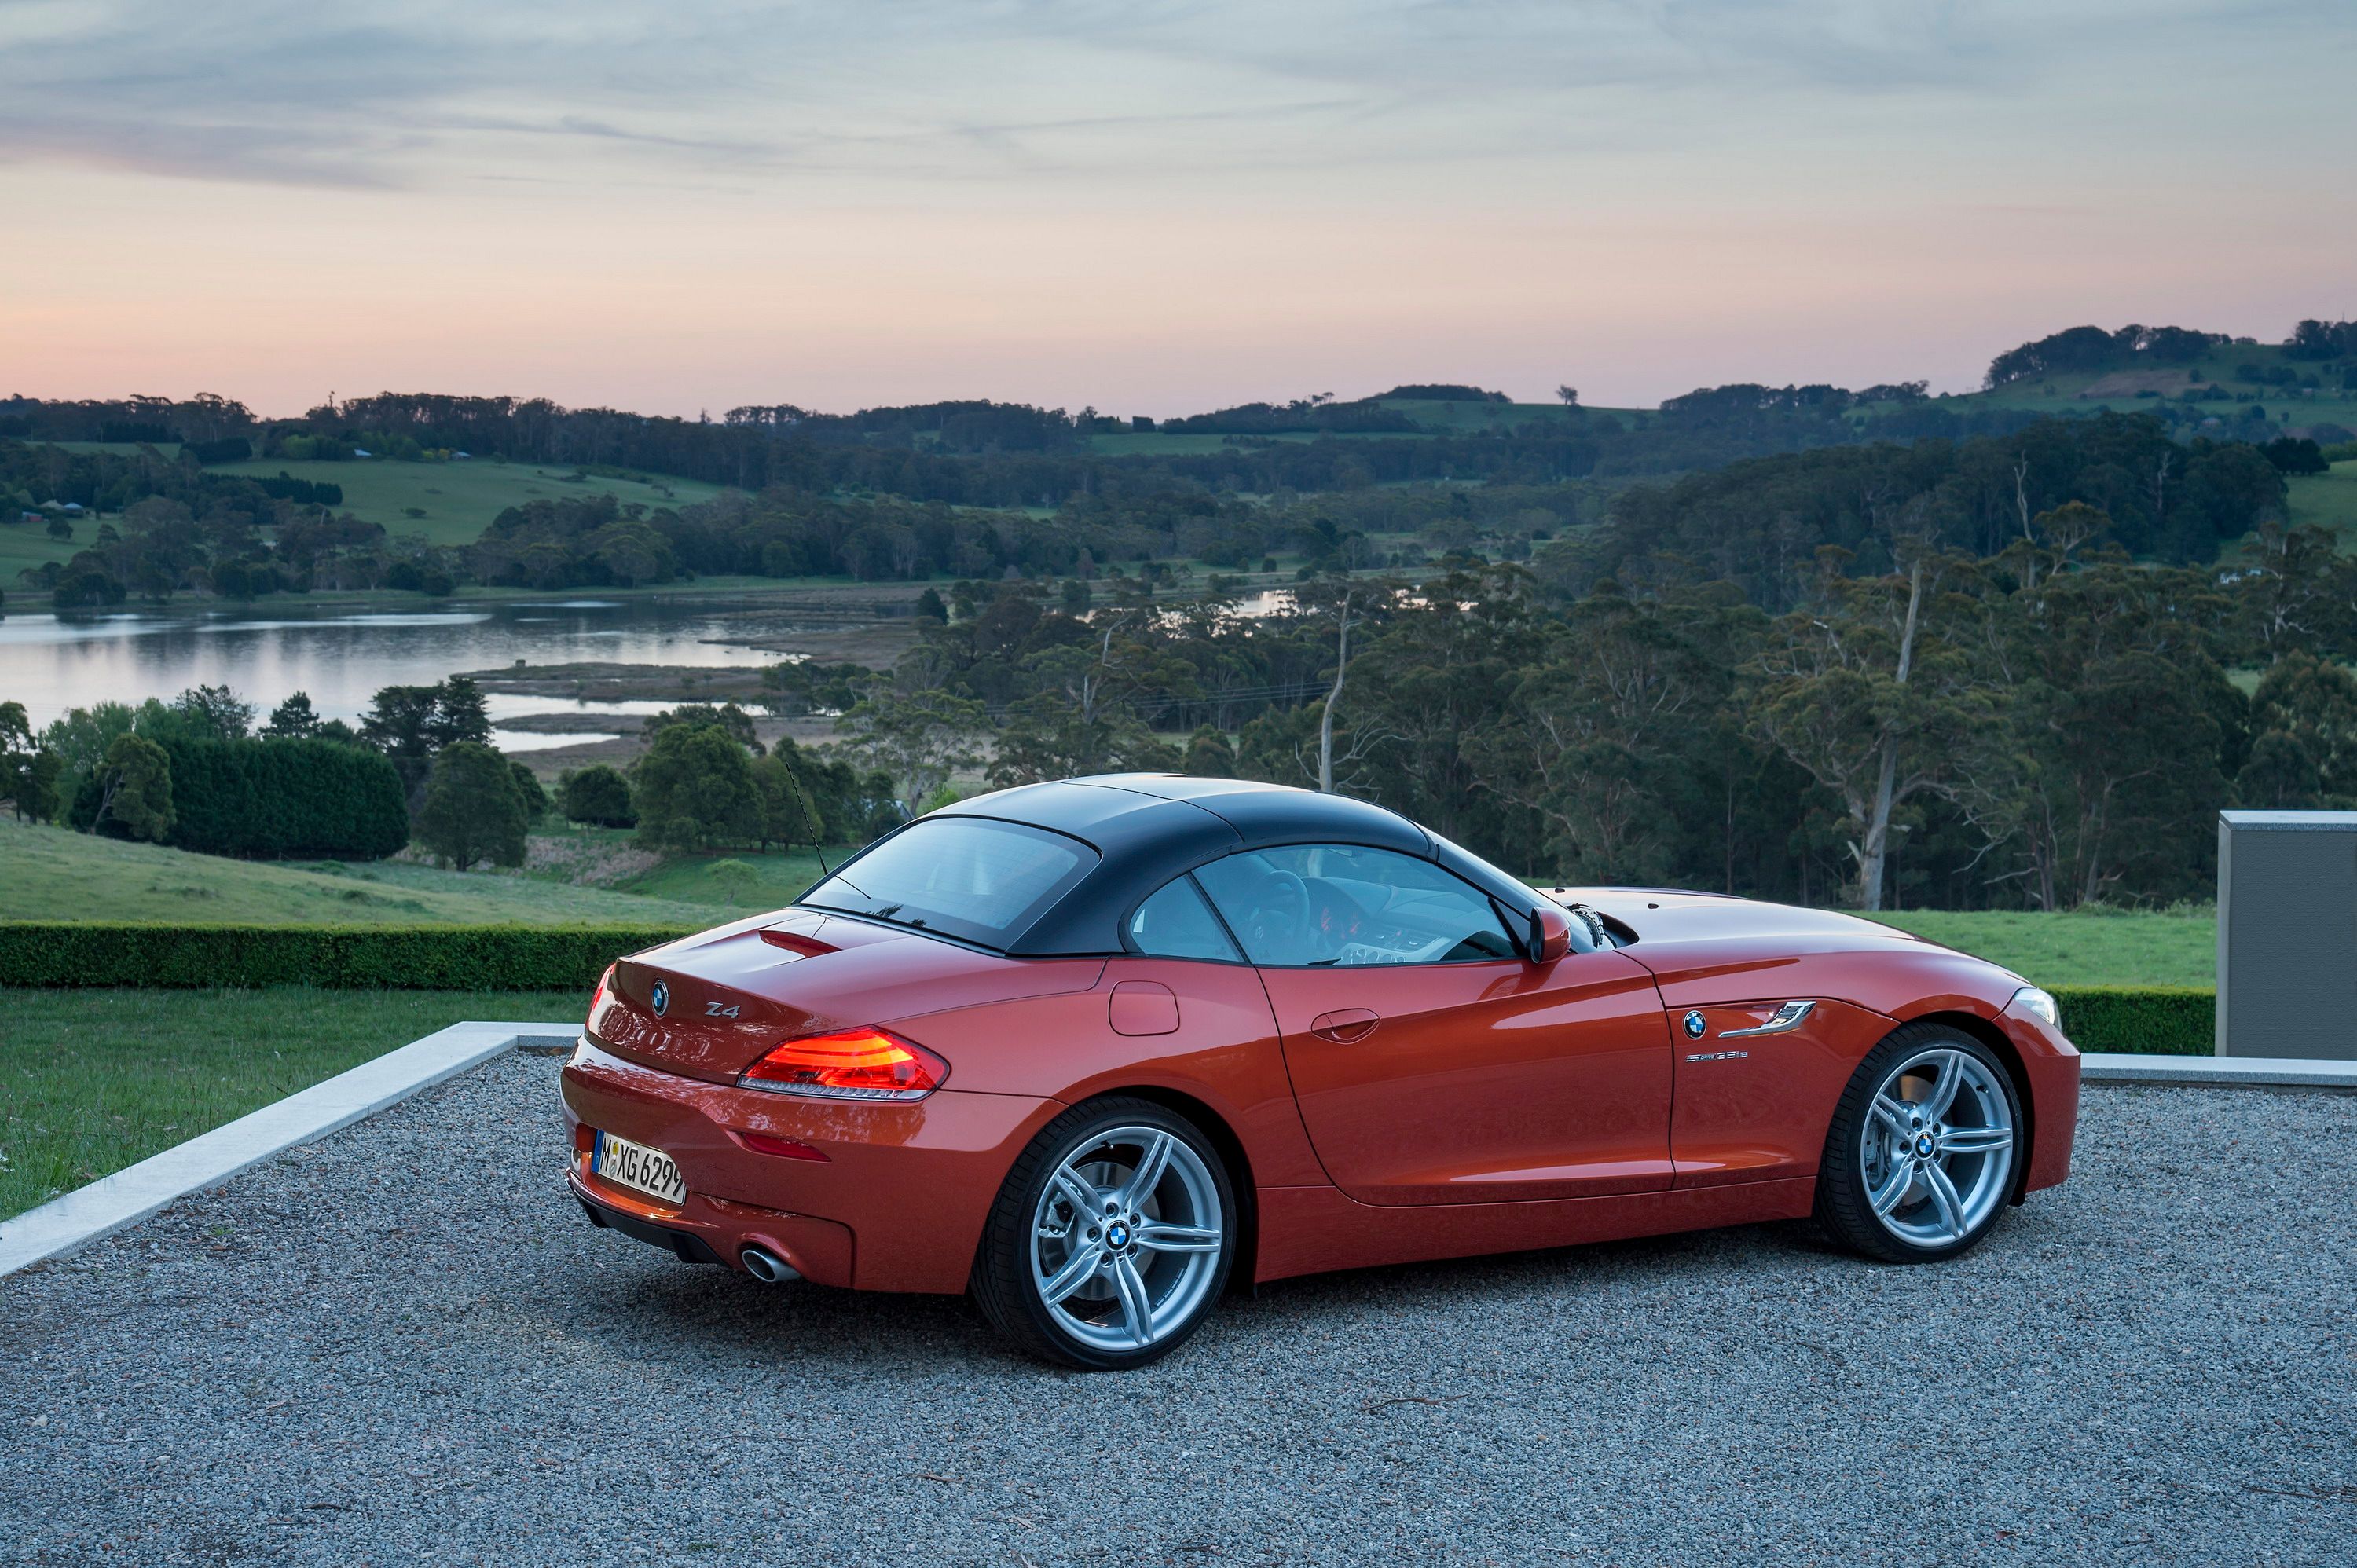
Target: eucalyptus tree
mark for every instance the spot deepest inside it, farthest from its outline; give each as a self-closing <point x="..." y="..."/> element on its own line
<point x="1868" y="689"/>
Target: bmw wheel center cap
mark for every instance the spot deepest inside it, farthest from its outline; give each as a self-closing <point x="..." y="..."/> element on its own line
<point x="661" y="998"/>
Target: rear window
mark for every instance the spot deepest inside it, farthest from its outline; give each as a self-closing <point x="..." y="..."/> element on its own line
<point x="969" y="877"/>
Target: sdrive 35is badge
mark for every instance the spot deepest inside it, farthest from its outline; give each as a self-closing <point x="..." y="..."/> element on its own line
<point x="661" y="998"/>
<point x="1694" y="1026"/>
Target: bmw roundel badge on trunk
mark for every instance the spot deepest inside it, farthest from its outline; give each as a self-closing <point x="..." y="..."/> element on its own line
<point x="661" y="998"/>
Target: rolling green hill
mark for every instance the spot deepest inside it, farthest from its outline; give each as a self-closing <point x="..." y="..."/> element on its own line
<point x="2116" y="388"/>
<point x="454" y="499"/>
<point x="50" y="873"/>
<point x="1434" y="416"/>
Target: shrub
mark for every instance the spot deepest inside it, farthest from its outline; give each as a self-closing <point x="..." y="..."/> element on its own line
<point x="85" y="587"/>
<point x="472" y="810"/>
<point x="2166" y="1020"/>
<point x="411" y="958"/>
<point x="135" y="787"/>
<point x="596" y="794"/>
<point x="528" y="790"/>
<point x="695" y="789"/>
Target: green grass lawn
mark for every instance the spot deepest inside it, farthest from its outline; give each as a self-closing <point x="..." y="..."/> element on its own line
<point x="457" y="500"/>
<point x="92" y="1081"/>
<point x="51" y="874"/>
<point x="2139" y="949"/>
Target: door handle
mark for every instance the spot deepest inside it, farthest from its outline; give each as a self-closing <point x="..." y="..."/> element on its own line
<point x="1788" y="1016"/>
<point x="1344" y="1025"/>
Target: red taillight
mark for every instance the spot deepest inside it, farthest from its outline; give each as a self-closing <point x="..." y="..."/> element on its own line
<point x="852" y="1064"/>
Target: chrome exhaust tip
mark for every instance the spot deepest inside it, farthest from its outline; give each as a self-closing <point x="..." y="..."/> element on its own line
<point x="767" y="1266"/>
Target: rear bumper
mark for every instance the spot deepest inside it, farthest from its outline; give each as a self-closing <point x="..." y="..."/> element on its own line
<point x="685" y="1245"/>
<point x="705" y="1230"/>
<point x="897" y="1204"/>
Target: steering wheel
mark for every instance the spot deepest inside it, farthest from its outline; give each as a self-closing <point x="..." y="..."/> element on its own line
<point x="1277" y="922"/>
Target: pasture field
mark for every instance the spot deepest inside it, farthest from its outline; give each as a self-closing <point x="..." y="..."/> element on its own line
<point x="53" y="873"/>
<point x="25" y="545"/>
<point x="92" y="1081"/>
<point x="2328" y="500"/>
<point x="456" y="499"/>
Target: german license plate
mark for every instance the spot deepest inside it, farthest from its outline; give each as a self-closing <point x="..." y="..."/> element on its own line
<point x="635" y="1165"/>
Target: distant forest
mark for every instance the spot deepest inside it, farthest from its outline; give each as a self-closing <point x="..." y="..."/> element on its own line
<point x="1803" y="641"/>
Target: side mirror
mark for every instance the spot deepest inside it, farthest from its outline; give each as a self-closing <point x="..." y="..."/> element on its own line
<point x="1550" y="934"/>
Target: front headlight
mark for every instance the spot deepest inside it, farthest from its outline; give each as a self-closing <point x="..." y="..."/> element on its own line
<point x="2038" y="1004"/>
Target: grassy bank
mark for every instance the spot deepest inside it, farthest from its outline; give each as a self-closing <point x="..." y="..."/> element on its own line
<point x="92" y="1081"/>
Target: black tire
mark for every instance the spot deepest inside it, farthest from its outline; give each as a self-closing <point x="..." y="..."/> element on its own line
<point x="1007" y="1287"/>
<point x="1846" y="1184"/>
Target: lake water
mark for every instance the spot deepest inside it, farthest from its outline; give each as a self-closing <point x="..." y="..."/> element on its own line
<point x="51" y="663"/>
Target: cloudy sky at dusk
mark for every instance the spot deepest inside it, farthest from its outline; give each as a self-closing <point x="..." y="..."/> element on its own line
<point x="1150" y="206"/>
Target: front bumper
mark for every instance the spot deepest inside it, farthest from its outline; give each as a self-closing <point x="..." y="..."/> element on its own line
<point x="2050" y="1062"/>
<point x="898" y="1203"/>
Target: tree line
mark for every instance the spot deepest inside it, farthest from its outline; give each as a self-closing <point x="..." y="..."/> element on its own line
<point x="2049" y="725"/>
<point x="198" y="773"/>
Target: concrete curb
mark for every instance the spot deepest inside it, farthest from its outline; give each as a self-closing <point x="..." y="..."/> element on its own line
<point x="2283" y="1072"/>
<point x="113" y="1203"/>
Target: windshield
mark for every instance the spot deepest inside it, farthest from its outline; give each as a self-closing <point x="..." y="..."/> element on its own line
<point x="969" y="877"/>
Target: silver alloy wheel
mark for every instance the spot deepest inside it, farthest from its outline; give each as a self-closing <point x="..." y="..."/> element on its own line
<point x="1125" y="1238"/>
<point x="1937" y="1149"/>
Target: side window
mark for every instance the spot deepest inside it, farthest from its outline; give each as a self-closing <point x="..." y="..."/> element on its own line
<point x="1176" y="923"/>
<point x="1349" y="906"/>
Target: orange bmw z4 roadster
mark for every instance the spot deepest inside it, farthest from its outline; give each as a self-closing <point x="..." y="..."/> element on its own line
<point x="1099" y="1051"/>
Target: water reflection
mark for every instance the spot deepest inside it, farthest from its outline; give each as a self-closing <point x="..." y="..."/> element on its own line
<point x="51" y="663"/>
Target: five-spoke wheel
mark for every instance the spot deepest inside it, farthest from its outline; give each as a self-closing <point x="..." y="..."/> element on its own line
<point x="1920" y="1159"/>
<point x="1111" y="1238"/>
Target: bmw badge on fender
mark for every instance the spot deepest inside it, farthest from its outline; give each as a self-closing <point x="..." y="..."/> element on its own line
<point x="1099" y="1051"/>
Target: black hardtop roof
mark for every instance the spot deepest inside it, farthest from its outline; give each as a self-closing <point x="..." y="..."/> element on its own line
<point x="1118" y="804"/>
<point x="1149" y="827"/>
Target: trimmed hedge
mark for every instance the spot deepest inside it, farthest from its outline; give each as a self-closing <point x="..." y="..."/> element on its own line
<point x="2151" y="1020"/>
<point x="401" y="958"/>
<point x="299" y="800"/>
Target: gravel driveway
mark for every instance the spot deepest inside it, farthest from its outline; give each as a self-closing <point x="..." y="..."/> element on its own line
<point x="334" y="1361"/>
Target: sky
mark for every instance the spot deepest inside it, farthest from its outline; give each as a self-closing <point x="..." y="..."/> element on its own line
<point x="1146" y="206"/>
